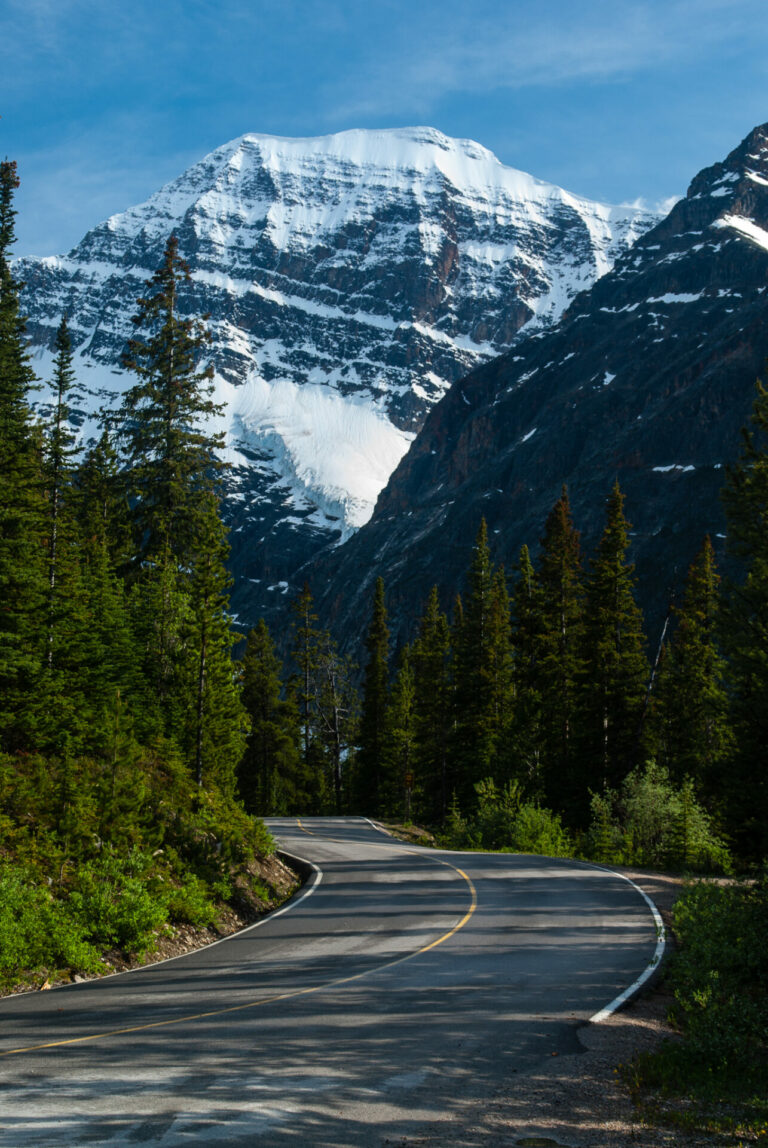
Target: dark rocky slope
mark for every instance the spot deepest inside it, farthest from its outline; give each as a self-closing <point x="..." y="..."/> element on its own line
<point x="647" y="379"/>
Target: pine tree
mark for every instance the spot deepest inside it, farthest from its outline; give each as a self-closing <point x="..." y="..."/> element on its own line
<point x="216" y="717"/>
<point x="270" y="771"/>
<point x="305" y="651"/>
<point x="336" y="721"/>
<point x="526" y="734"/>
<point x="371" y="779"/>
<point x="615" y="671"/>
<point x="170" y="454"/>
<point x="400" y="749"/>
<point x="22" y="506"/>
<point x="102" y="502"/>
<point x="745" y="635"/>
<point x="433" y="707"/>
<point x="559" y="578"/>
<point x="178" y="563"/>
<point x="59" y="455"/>
<point x="474" y="741"/>
<point x="689" y="725"/>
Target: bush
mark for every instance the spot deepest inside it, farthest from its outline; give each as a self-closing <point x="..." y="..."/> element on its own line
<point x="36" y="931"/>
<point x="115" y="901"/>
<point x="655" y="823"/>
<point x="720" y="975"/>
<point x="503" y="821"/>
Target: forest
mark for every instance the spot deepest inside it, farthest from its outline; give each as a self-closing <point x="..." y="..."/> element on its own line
<point x="142" y="736"/>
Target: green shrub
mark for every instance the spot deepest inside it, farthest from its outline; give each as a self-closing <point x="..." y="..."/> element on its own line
<point x="36" y="931"/>
<point x="653" y="822"/>
<point x="191" y="903"/>
<point x="115" y="902"/>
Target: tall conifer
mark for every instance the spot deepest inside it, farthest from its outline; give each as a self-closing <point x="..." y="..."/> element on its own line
<point x="373" y="721"/>
<point x="22" y="507"/>
<point x="615" y="671"/>
<point x="561" y="597"/>
<point x="689" y="719"/>
<point x="745" y="634"/>
<point x="433" y="707"/>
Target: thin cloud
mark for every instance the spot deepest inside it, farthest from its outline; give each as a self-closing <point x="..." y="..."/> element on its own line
<point x="561" y="45"/>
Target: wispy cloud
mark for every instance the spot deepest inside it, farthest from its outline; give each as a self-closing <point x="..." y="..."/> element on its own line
<point x="493" y="49"/>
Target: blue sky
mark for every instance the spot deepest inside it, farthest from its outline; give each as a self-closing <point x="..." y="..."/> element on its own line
<point x="103" y="101"/>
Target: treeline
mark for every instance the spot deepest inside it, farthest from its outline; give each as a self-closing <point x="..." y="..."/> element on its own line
<point x="121" y="723"/>
<point x="536" y="714"/>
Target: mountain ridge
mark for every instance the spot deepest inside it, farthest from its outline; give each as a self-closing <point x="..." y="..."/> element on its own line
<point x="648" y="378"/>
<point x="350" y="280"/>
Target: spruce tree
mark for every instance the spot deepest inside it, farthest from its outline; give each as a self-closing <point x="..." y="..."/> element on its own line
<point x="745" y="635"/>
<point x="179" y="597"/>
<point x="615" y="669"/>
<point x="336" y="723"/>
<point x="22" y="506"/>
<point x="474" y="742"/>
<point x="526" y="735"/>
<point x="59" y="455"/>
<point x="400" y="749"/>
<point x="270" y="770"/>
<point x="371" y="760"/>
<point x="560" y="585"/>
<point x="164" y="420"/>
<point x="215" y="720"/>
<point x="433" y="708"/>
<point x="689" y="720"/>
<point x="305" y="651"/>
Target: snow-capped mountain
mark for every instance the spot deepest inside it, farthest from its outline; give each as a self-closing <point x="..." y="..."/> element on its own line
<point x="648" y="378"/>
<point x="350" y="280"/>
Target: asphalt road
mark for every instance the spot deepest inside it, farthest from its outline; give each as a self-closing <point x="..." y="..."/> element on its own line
<point x="387" y="1005"/>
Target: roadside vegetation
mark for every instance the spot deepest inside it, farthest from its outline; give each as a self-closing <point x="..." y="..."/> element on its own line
<point x="121" y="722"/>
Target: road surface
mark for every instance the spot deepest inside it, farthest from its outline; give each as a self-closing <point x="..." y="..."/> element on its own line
<point x="392" y="1000"/>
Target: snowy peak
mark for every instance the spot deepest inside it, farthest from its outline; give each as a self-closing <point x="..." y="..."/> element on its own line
<point x="350" y="279"/>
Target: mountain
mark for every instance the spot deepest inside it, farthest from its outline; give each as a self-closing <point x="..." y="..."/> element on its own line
<point x="647" y="378"/>
<point x="350" y="280"/>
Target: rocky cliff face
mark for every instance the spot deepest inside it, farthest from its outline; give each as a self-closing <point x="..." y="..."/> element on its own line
<point x="647" y="378"/>
<point x="350" y="280"/>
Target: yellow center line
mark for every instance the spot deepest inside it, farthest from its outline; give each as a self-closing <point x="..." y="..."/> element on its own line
<point x="291" y="995"/>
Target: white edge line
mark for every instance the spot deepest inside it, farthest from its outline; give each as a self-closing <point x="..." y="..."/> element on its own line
<point x="314" y="881"/>
<point x="378" y="828"/>
<point x="650" y="969"/>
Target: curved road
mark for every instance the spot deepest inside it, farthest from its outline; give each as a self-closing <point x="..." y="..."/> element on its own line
<point x="387" y="1005"/>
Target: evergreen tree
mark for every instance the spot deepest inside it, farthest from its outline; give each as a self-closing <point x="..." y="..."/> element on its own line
<point x="102" y="503"/>
<point x="60" y="451"/>
<point x="270" y="771"/>
<point x="180" y="598"/>
<point x="305" y="651"/>
<point x="22" y="506"/>
<point x="170" y="454"/>
<point x="433" y="707"/>
<point x="745" y="635"/>
<point x="689" y="722"/>
<point x="400" y="750"/>
<point x="474" y="741"/>
<point x="527" y="628"/>
<point x="615" y="671"/>
<point x="372" y="782"/>
<point x="216" y="717"/>
<point x="336" y="719"/>
<point x="559" y="578"/>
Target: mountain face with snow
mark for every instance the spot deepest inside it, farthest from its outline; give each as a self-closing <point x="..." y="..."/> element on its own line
<point x="350" y="280"/>
<point x="648" y="378"/>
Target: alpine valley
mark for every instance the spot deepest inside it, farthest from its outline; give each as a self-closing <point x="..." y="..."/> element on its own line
<point x="648" y="378"/>
<point x="349" y="281"/>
